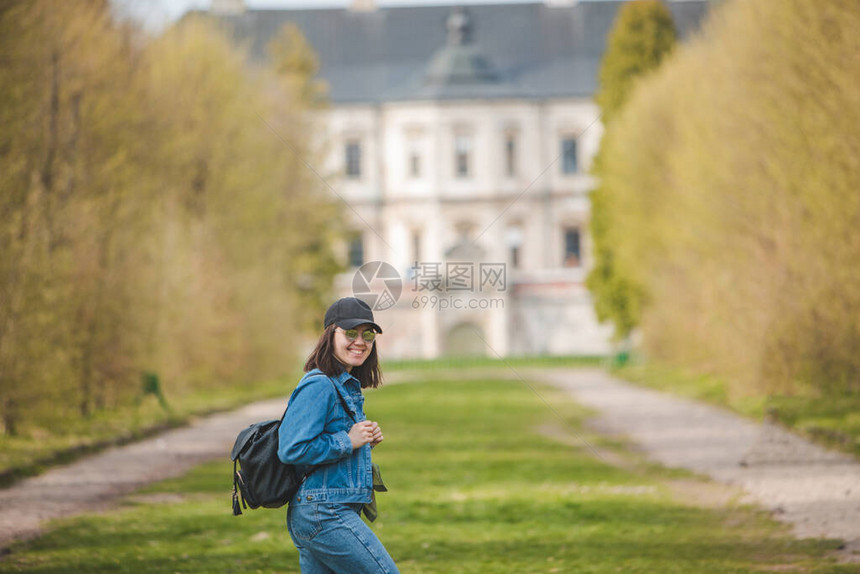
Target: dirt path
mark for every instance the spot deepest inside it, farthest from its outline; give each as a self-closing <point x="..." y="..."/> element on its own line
<point x="96" y="482"/>
<point x="815" y="490"/>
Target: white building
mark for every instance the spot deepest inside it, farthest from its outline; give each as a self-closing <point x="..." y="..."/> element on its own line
<point x="463" y="138"/>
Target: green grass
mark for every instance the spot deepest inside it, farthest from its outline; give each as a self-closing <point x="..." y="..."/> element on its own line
<point x="484" y="362"/>
<point x="831" y="420"/>
<point x="474" y="488"/>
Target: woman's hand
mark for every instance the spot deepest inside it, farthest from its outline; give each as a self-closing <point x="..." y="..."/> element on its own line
<point x="377" y="436"/>
<point x="365" y="432"/>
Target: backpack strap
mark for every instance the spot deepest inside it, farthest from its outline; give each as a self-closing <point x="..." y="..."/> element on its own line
<point x="237" y="509"/>
<point x="342" y="400"/>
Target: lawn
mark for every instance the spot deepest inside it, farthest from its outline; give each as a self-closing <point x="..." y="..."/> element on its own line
<point x="474" y="487"/>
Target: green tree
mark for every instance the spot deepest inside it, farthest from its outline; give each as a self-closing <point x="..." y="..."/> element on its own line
<point x="734" y="171"/>
<point x="152" y="218"/>
<point x="641" y="38"/>
<point x="75" y="209"/>
<point x="314" y="263"/>
<point x="296" y="64"/>
<point x="55" y="60"/>
<point x="240" y="207"/>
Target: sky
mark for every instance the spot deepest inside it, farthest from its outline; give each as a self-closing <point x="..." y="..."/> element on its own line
<point x="156" y="14"/>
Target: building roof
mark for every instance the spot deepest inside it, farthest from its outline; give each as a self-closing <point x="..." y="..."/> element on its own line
<point x="528" y="50"/>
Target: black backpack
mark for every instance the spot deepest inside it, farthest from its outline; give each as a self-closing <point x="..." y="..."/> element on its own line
<point x="259" y="476"/>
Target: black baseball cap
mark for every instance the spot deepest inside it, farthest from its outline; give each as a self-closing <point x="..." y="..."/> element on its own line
<point x="350" y="312"/>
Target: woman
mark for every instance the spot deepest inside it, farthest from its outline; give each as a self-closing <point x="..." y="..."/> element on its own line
<point x="326" y="435"/>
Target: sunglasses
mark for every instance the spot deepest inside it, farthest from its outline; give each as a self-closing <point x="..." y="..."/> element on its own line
<point x="352" y="334"/>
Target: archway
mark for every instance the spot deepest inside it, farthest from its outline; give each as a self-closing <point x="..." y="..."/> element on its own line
<point x="465" y="340"/>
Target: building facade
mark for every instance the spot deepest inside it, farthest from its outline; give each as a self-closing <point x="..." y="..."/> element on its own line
<point x="463" y="138"/>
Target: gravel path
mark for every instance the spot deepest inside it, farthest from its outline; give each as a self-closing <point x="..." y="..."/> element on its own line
<point x="96" y="482"/>
<point x="815" y="490"/>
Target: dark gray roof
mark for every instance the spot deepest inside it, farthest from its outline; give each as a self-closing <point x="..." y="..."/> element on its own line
<point x="530" y="50"/>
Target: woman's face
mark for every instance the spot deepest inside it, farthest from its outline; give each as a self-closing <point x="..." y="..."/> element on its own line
<point x="352" y="353"/>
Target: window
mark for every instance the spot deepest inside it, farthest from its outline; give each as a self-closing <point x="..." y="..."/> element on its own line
<point x="416" y="245"/>
<point x="514" y="240"/>
<point x="356" y="251"/>
<point x="569" y="162"/>
<point x="572" y="254"/>
<point x="413" y="137"/>
<point x="352" y="152"/>
<point x="414" y="164"/>
<point x="511" y="155"/>
<point x="462" y="152"/>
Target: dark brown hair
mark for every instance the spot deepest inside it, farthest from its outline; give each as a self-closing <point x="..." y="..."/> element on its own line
<point x="322" y="358"/>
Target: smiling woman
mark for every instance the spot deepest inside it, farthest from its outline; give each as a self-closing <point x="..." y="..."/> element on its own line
<point x="327" y="436"/>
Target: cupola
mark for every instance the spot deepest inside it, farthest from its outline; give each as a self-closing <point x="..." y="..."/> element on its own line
<point x="460" y="61"/>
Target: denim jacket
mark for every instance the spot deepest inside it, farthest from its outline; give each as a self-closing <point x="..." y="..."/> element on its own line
<point x="315" y="433"/>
